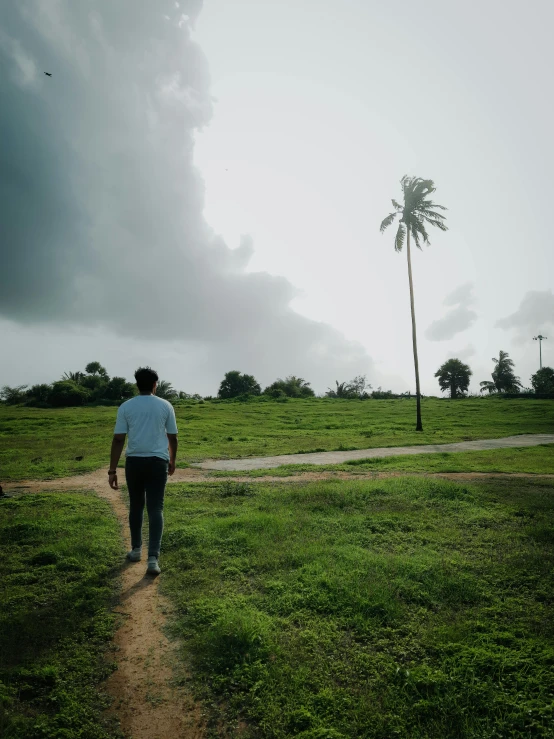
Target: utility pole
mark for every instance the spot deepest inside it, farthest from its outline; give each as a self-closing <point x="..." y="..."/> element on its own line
<point x="540" y="339"/>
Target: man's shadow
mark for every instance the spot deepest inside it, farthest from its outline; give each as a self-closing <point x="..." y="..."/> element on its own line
<point x="145" y="582"/>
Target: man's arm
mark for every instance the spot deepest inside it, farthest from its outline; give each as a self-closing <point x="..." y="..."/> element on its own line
<point x="118" y="442"/>
<point x="172" y="440"/>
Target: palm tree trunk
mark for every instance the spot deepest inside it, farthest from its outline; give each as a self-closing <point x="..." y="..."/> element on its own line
<point x="419" y="426"/>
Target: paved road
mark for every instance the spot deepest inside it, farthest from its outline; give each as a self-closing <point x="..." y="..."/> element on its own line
<point x="263" y="463"/>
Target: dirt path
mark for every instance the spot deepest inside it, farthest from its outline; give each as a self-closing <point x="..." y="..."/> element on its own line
<point x="145" y="702"/>
<point x="263" y="463"/>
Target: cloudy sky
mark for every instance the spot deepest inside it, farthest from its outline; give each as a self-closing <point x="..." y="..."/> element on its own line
<point x="200" y="188"/>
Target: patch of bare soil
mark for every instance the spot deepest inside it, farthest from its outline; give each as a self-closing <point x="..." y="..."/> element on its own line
<point x="145" y="701"/>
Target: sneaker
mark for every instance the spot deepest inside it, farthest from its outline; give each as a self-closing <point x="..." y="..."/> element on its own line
<point x="135" y="555"/>
<point x="153" y="566"/>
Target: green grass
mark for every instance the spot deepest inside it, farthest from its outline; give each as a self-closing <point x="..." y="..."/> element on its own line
<point x="58" y="553"/>
<point x="409" y="607"/>
<point x="537" y="460"/>
<point x="37" y="443"/>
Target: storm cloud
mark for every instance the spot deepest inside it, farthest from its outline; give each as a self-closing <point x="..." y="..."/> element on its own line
<point x="102" y="208"/>
<point x="456" y="320"/>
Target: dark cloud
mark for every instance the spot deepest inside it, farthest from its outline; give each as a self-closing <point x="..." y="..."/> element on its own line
<point x="456" y="320"/>
<point x="101" y="206"/>
<point x="535" y="315"/>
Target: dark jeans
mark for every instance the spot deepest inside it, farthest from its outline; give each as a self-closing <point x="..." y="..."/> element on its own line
<point x="146" y="479"/>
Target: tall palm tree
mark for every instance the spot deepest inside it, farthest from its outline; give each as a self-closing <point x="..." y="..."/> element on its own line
<point x="416" y="211"/>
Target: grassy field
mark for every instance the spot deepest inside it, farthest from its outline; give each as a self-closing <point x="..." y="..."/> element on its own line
<point x="537" y="460"/>
<point x="37" y="443"/>
<point x="409" y="607"/>
<point x="58" y="553"/>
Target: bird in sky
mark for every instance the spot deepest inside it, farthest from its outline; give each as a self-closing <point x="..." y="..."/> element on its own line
<point x="48" y="74"/>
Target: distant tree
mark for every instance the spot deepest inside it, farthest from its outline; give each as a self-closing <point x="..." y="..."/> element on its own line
<point x="454" y="375"/>
<point x="13" y="395"/>
<point x="503" y="377"/>
<point x="95" y="368"/>
<point x="353" y="389"/>
<point x="235" y="383"/>
<point x="543" y="381"/>
<point x="291" y="386"/>
<point x="416" y="211"/>
<point x="118" y="389"/>
<point x="75" y="377"/>
<point x="67" y="394"/>
<point x="96" y="384"/>
<point x="39" y="394"/>
<point x="166" y="390"/>
<point x="189" y="396"/>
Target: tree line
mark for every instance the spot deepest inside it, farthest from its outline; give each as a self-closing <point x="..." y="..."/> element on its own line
<point x="235" y="384"/>
<point x="95" y="386"/>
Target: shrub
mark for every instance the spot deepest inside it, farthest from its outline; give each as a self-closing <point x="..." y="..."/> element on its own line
<point x="96" y="384"/>
<point x="291" y="386"/>
<point x="38" y="396"/>
<point x="380" y="394"/>
<point x="353" y="389"/>
<point x="119" y="389"/>
<point x="68" y="394"/>
<point x="189" y="396"/>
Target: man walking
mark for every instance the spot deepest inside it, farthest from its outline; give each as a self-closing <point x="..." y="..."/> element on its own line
<point x="150" y="457"/>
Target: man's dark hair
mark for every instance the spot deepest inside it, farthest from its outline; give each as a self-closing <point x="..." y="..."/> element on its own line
<point x="146" y="377"/>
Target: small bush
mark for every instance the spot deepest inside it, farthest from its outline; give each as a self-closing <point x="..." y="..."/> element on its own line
<point x="67" y="394"/>
<point x="229" y="488"/>
<point x="291" y="386"/>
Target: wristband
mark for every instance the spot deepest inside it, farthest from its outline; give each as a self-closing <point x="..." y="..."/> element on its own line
<point x="112" y="472"/>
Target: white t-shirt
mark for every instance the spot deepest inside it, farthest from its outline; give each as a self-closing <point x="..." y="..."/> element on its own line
<point x="147" y="420"/>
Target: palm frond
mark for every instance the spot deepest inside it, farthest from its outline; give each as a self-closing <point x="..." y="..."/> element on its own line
<point x="422" y="188"/>
<point x="399" y="238"/>
<point x="433" y="222"/>
<point x="418" y="229"/>
<point x="417" y="212"/>
<point x="431" y="204"/>
<point x="415" y="192"/>
<point x="431" y="214"/>
<point x="386" y="222"/>
<point x="415" y="235"/>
